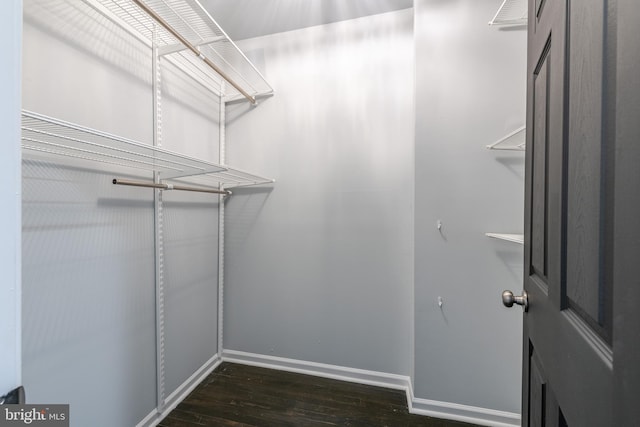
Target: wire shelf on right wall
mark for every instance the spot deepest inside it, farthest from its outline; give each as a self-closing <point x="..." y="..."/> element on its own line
<point x="515" y="141"/>
<point x="511" y="12"/>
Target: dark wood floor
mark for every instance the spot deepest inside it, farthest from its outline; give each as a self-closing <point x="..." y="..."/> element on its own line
<point x="239" y="395"/>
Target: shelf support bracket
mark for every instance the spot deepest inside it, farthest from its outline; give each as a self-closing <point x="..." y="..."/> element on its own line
<point x="221" y="213"/>
<point x="179" y="47"/>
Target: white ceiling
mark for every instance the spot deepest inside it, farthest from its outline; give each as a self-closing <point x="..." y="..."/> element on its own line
<point x="242" y="19"/>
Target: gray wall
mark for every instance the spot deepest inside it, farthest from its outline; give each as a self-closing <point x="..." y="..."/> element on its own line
<point x="88" y="246"/>
<point x="191" y="277"/>
<point x="320" y="266"/>
<point x="88" y="294"/>
<point x="190" y="126"/>
<point x="470" y="92"/>
<point x="10" y="195"/>
<point x="88" y="268"/>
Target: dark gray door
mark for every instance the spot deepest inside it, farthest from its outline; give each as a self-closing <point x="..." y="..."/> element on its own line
<point x="573" y="373"/>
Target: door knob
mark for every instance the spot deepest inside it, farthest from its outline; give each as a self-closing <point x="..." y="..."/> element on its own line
<point x="508" y="299"/>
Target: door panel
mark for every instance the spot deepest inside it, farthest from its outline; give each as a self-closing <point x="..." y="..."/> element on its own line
<point x="537" y="393"/>
<point x="544" y="409"/>
<point x="567" y="365"/>
<point x="585" y="285"/>
<point x="539" y="169"/>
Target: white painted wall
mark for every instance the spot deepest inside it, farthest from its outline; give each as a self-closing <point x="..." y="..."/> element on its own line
<point x="10" y="195"/>
<point x="88" y="267"/>
<point x="89" y="336"/>
<point x="190" y="126"/>
<point x="319" y="267"/>
<point x="470" y="91"/>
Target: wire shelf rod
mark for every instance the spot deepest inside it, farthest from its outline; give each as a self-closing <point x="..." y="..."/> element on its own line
<point x="163" y="186"/>
<point x="194" y="49"/>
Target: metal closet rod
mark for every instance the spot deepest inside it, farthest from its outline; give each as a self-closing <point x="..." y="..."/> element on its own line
<point x="194" y="49"/>
<point x="117" y="181"/>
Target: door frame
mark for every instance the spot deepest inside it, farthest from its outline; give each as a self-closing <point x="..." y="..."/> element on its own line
<point x="626" y="247"/>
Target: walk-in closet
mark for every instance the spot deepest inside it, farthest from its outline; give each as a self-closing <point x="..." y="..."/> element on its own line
<point x="340" y="196"/>
<point x="319" y="212"/>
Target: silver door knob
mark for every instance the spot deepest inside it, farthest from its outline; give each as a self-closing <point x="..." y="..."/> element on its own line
<point x="508" y="299"/>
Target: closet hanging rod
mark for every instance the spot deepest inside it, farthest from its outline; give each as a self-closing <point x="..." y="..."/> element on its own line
<point x="118" y="181"/>
<point x="194" y="49"/>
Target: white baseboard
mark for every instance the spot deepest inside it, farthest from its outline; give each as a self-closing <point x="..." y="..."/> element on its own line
<point x="398" y="382"/>
<point x="465" y="413"/>
<point x="431" y="408"/>
<point x="155" y="416"/>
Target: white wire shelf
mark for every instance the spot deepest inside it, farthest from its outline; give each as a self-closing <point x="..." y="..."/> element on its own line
<point x="511" y="12"/>
<point x="515" y="141"/>
<point x="49" y="138"/>
<point x="229" y="178"/>
<point x="194" y="23"/>
<point x="515" y="238"/>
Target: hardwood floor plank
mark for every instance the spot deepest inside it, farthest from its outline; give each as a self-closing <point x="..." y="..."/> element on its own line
<point x="179" y="418"/>
<point x="248" y="396"/>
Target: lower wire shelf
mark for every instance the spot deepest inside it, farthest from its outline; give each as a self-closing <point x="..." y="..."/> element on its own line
<point x="48" y="138"/>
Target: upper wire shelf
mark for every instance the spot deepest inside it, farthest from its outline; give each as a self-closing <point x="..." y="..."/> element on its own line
<point x="515" y="141"/>
<point x="49" y="137"/>
<point x="192" y="22"/>
<point x="511" y="12"/>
